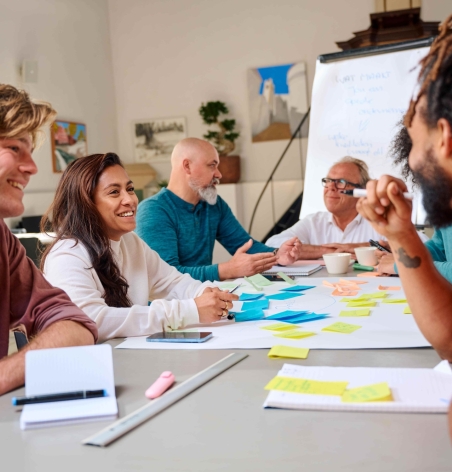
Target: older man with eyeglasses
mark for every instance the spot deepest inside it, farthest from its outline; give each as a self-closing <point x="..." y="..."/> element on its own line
<point x="341" y="228"/>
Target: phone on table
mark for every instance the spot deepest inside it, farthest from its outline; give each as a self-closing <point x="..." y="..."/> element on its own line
<point x="180" y="337"/>
<point x="277" y="278"/>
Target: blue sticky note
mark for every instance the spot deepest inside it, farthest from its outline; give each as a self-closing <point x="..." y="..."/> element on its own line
<point x="297" y="288"/>
<point x="249" y="315"/>
<point x="287" y="314"/>
<point x="250" y="296"/>
<point x="262" y="304"/>
<point x="283" y="296"/>
<point x="304" y="318"/>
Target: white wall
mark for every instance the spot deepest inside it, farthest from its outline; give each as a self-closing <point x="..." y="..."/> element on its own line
<point x="169" y="56"/>
<point x="71" y="42"/>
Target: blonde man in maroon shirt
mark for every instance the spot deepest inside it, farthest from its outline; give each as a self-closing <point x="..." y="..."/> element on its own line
<point x="27" y="300"/>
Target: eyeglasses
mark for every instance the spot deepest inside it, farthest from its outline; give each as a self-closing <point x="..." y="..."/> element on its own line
<point x="340" y="184"/>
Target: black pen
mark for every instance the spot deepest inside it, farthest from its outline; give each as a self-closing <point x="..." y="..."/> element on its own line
<point x="379" y="246"/>
<point x="230" y="315"/>
<point x="59" y="397"/>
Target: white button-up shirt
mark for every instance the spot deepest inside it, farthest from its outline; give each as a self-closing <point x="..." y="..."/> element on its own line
<point x="320" y="228"/>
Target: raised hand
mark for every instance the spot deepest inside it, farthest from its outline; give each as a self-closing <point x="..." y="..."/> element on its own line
<point x="289" y="252"/>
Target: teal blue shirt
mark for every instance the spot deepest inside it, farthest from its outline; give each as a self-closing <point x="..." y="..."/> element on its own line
<point x="184" y="234"/>
<point x="440" y="247"/>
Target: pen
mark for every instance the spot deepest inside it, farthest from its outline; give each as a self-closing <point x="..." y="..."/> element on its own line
<point x="59" y="397"/>
<point x="230" y="315"/>
<point x="362" y="192"/>
<point x="378" y="246"/>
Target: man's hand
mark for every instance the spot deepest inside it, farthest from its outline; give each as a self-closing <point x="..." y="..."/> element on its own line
<point x="214" y="304"/>
<point x="386" y="264"/>
<point x="289" y="252"/>
<point x="386" y="208"/>
<point x="243" y="264"/>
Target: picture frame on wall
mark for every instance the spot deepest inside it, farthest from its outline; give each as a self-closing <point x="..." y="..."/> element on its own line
<point x="154" y="139"/>
<point x="68" y="143"/>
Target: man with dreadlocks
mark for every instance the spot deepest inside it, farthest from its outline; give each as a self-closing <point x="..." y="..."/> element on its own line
<point x="429" y="124"/>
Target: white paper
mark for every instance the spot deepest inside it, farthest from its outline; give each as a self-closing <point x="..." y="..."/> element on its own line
<point x="413" y="390"/>
<point x="386" y="327"/>
<point x="443" y="367"/>
<point x="69" y="369"/>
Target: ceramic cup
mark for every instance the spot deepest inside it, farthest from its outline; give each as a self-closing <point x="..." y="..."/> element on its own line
<point x="366" y="256"/>
<point x="337" y="262"/>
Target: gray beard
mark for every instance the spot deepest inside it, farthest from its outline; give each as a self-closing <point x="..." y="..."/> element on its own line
<point x="208" y="194"/>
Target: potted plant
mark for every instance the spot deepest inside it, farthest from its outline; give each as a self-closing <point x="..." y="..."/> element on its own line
<point x="223" y="139"/>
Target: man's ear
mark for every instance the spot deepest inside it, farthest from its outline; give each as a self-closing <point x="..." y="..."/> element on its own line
<point x="444" y="142"/>
<point x="186" y="165"/>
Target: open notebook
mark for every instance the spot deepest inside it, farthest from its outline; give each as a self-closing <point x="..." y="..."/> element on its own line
<point x="66" y="370"/>
<point x="296" y="269"/>
<point x="413" y="390"/>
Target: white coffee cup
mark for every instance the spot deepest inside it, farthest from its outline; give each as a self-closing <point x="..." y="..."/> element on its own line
<point x="337" y="262"/>
<point x="366" y="255"/>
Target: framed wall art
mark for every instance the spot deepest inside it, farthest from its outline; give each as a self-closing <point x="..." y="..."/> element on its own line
<point x="68" y="143"/>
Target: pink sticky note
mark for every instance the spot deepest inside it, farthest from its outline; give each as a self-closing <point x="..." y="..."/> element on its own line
<point x="369" y="274"/>
<point x="382" y="287"/>
<point x="347" y="293"/>
<point x="328" y="284"/>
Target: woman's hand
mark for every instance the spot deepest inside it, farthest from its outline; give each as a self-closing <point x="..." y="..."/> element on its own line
<point x="214" y="304"/>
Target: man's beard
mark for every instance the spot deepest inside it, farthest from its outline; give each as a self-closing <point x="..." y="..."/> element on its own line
<point x="209" y="193"/>
<point x="436" y="192"/>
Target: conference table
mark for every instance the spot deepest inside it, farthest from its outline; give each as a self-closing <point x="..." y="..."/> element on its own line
<point x="222" y="426"/>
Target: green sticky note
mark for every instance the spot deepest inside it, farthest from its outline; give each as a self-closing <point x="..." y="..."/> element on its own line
<point x="407" y="310"/>
<point x="394" y="300"/>
<point x="294" y="334"/>
<point x="287" y="279"/>
<point x="289" y="352"/>
<point x="344" y="328"/>
<point x="363" y="312"/>
<point x="260" y="280"/>
<point x="256" y="287"/>
<point x="379" y="392"/>
<point x="225" y="285"/>
<point x="358" y="266"/>
<point x="279" y="327"/>
<point x="313" y="387"/>
<point x="360" y="303"/>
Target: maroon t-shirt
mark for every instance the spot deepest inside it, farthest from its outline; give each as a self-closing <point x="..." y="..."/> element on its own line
<point x="26" y="298"/>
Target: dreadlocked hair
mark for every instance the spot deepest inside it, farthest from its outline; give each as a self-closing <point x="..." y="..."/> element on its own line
<point x="75" y="216"/>
<point x="400" y="149"/>
<point x="435" y="79"/>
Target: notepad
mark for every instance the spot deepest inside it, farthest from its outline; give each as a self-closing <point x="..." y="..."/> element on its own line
<point x="69" y="369"/>
<point x="294" y="269"/>
<point x="412" y="390"/>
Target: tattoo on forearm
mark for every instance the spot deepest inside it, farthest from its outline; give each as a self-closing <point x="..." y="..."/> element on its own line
<point x="407" y="261"/>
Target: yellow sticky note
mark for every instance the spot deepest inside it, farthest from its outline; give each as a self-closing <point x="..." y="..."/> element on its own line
<point x="346" y="300"/>
<point x="363" y="312"/>
<point x="360" y="303"/>
<point x="313" y="387"/>
<point x="342" y="328"/>
<point x="279" y="327"/>
<point x="407" y="310"/>
<point x="287" y="351"/>
<point x="394" y="300"/>
<point x="372" y="296"/>
<point x="294" y="334"/>
<point x="379" y="392"/>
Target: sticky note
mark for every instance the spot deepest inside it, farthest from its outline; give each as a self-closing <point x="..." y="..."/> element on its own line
<point x="346" y="300"/>
<point x="286" y="314"/>
<point x="286" y="278"/>
<point x="344" y="328"/>
<point x="289" y="352"/>
<point x="395" y="300"/>
<point x="263" y="304"/>
<point x="382" y="287"/>
<point x="369" y="274"/>
<point x="327" y="284"/>
<point x="250" y="315"/>
<point x="362" y="312"/>
<point x="312" y="387"/>
<point x="297" y="288"/>
<point x="278" y="327"/>
<point x="225" y="285"/>
<point x="296" y="317"/>
<point x="294" y="334"/>
<point x="360" y="303"/>
<point x="250" y="296"/>
<point x="282" y="296"/>
<point x="379" y="392"/>
<point x="372" y="296"/>
<point x="341" y="293"/>
<point x="259" y="280"/>
<point x="407" y="310"/>
<point x="358" y="266"/>
<point x="348" y="282"/>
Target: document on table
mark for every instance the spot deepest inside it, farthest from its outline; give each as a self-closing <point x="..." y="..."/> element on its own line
<point x="69" y="369"/>
<point x="411" y="390"/>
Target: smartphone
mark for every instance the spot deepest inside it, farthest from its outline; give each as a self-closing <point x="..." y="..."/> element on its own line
<point x="277" y="278"/>
<point x="179" y="337"/>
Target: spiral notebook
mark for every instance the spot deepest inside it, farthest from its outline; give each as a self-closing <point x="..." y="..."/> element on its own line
<point x="296" y="269"/>
<point x="413" y="390"/>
